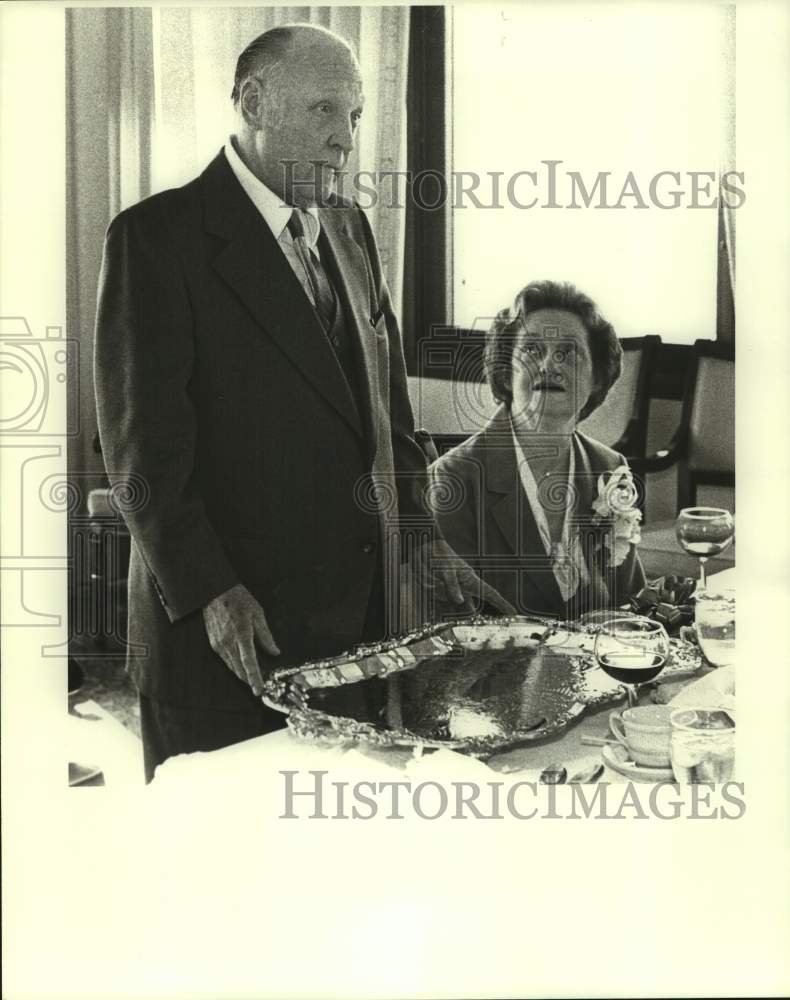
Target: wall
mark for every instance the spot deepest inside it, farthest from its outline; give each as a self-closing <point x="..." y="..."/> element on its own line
<point x="88" y="200"/>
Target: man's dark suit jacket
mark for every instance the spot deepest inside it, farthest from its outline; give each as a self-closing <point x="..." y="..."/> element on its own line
<point x="483" y="513"/>
<point x="216" y="384"/>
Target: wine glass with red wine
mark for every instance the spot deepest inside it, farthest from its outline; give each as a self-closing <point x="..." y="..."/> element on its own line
<point x="632" y="650"/>
<point x="704" y="532"/>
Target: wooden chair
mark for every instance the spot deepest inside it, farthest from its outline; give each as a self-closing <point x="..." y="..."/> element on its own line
<point x="703" y="452"/>
<point x="448" y="412"/>
<point x="99" y="546"/>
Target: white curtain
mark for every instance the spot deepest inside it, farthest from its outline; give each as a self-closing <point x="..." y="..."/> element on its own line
<point x="109" y="117"/>
<point x="194" y="53"/>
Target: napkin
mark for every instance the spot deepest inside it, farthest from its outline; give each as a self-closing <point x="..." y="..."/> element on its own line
<point x="714" y="690"/>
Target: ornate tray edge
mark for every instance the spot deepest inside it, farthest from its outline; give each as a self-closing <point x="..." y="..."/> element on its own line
<point x="310" y="723"/>
<point x="274" y="684"/>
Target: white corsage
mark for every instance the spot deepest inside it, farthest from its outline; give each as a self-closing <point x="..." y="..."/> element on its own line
<point x="615" y="507"/>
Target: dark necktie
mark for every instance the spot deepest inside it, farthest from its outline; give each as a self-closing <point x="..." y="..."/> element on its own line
<point x="323" y="295"/>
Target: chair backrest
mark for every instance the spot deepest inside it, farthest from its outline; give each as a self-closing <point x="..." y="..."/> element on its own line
<point x="448" y="411"/>
<point x="621" y="420"/>
<point x="709" y="415"/>
<point x="712" y="422"/>
<point x="428" y="445"/>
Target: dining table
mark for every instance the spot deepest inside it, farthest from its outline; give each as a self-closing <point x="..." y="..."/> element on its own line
<point x="576" y="748"/>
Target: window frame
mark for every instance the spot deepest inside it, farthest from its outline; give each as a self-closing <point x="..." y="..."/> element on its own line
<point x="433" y="345"/>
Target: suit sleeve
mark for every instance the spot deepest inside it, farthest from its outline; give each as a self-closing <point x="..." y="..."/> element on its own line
<point x="143" y="363"/>
<point x="456" y="503"/>
<point x="410" y="460"/>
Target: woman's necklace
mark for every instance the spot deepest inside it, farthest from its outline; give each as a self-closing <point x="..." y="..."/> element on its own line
<point x="547" y="461"/>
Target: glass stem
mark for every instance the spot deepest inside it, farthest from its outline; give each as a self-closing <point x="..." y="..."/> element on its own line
<point x="702" y="574"/>
<point x="630" y="691"/>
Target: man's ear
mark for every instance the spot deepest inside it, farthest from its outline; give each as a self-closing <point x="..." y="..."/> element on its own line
<point x="251" y="102"/>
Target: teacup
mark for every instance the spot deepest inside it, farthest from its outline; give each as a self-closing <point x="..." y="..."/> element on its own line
<point x="645" y="732"/>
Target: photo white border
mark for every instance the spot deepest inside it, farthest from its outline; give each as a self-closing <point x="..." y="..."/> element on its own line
<point x="113" y="895"/>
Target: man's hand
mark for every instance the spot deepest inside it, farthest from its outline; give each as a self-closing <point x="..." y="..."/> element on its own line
<point x="454" y="580"/>
<point x="234" y="620"/>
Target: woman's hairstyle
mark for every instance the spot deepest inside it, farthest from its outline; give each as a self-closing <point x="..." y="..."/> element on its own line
<point x="501" y="339"/>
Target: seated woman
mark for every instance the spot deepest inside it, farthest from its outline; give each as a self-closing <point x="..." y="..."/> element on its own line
<point x="545" y="514"/>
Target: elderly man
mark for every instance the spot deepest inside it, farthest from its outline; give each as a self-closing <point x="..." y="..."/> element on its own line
<point x="249" y="368"/>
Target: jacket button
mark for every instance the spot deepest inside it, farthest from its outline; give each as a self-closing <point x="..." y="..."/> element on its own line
<point x="368" y="547"/>
<point x="372" y="321"/>
<point x="336" y="341"/>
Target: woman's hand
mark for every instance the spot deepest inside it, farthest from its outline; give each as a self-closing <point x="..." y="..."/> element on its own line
<point x="437" y="567"/>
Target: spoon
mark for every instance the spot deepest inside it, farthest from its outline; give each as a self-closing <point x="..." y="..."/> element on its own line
<point x="554" y="774"/>
<point x="597" y="741"/>
<point x="587" y="776"/>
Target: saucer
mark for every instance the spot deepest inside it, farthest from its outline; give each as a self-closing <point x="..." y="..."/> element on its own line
<point x="616" y="757"/>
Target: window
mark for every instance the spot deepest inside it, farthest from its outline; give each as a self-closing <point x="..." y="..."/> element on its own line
<point x="614" y="95"/>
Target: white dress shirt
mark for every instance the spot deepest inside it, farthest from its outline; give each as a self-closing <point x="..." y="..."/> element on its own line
<point x="276" y="215"/>
<point x="567" y="556"/>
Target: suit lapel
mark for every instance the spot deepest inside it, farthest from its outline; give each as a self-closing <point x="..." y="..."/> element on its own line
<point x="352" y="272"/>
<point x="586" y="479"/>
<point x="510" y="508"/>
<point x="587" y="486"/>
<point x="254" y="266"/>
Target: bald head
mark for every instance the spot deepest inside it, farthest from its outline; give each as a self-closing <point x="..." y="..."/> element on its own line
<point x="266" y="55"/>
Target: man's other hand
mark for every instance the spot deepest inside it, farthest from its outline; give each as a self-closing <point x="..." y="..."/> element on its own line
<point x="234" y="620"/>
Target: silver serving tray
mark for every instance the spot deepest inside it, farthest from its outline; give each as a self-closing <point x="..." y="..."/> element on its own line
<point x="478" y="685"/>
